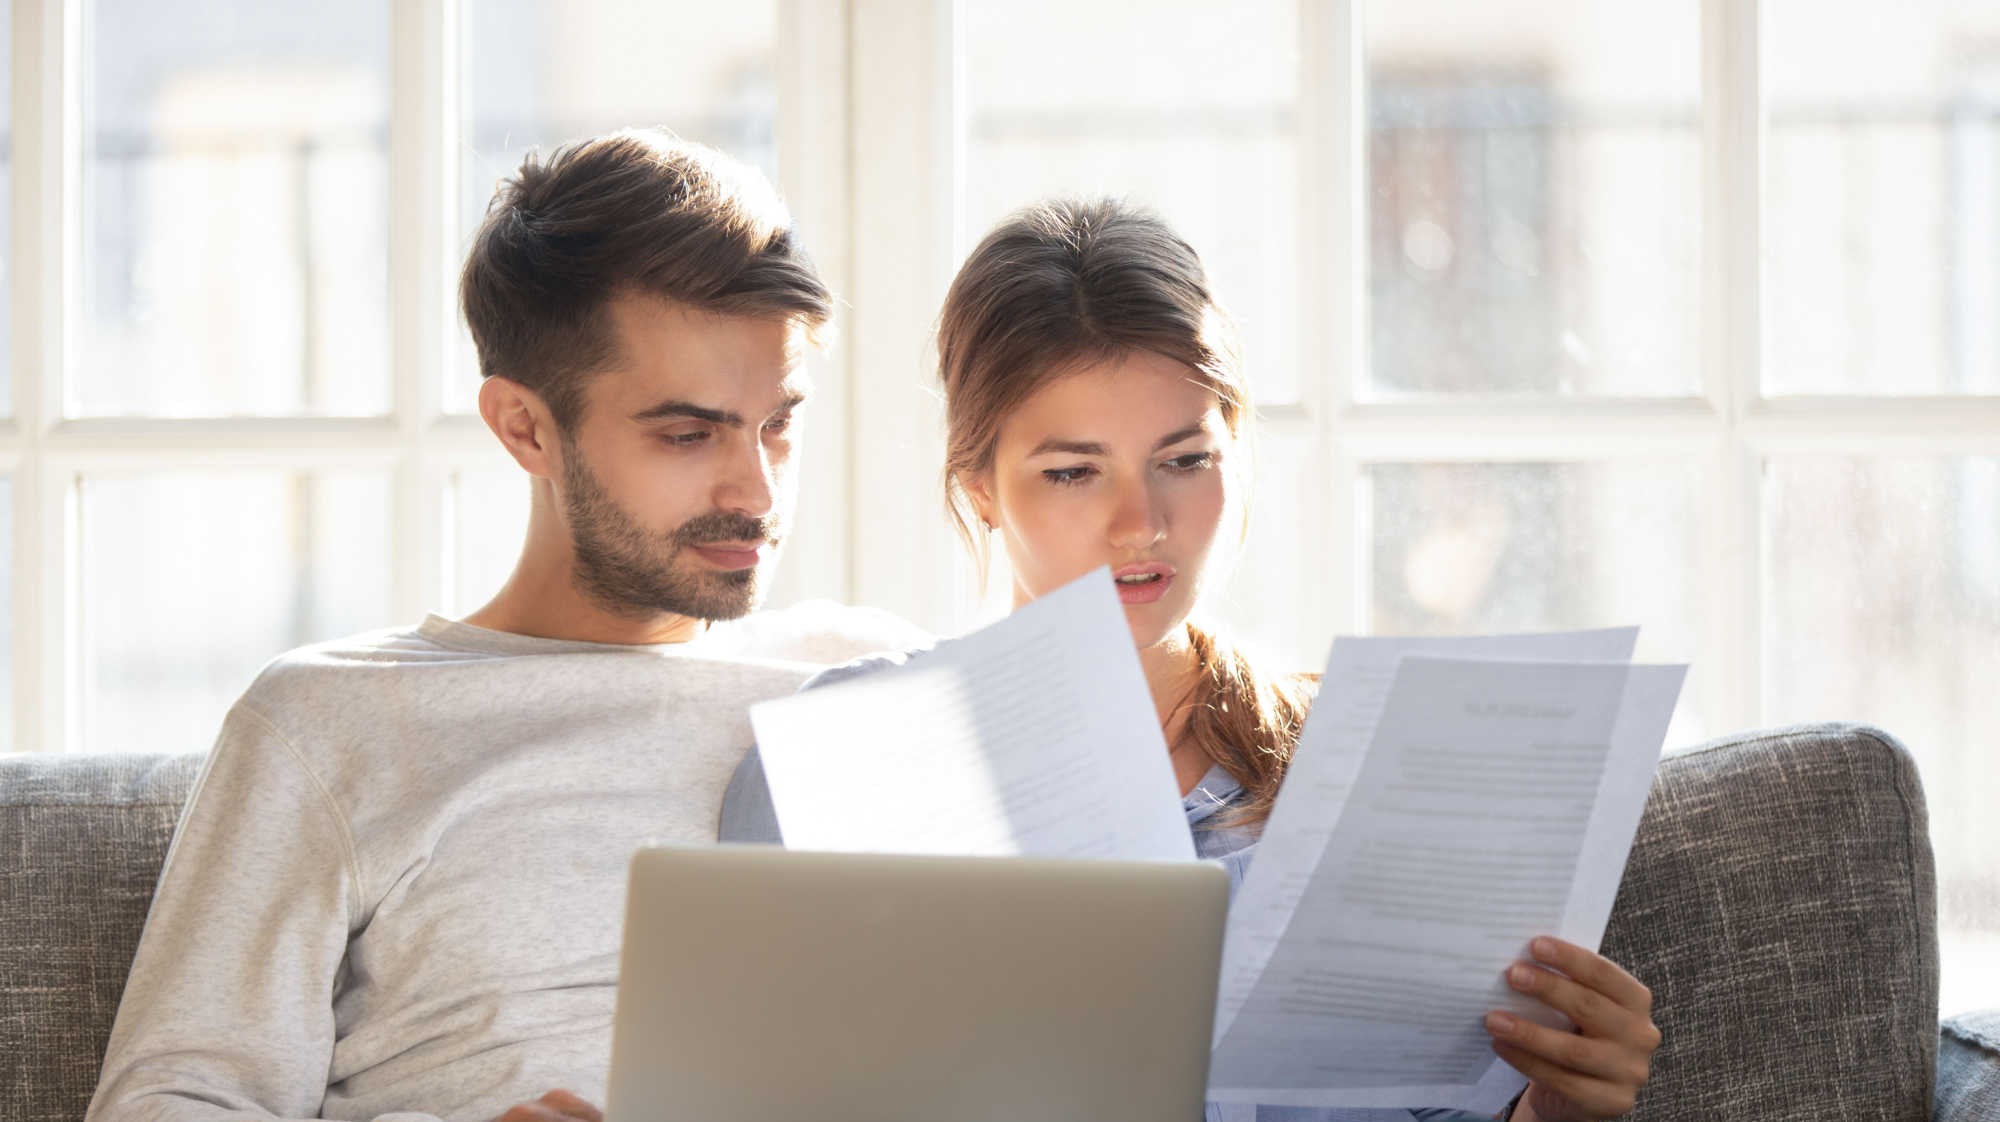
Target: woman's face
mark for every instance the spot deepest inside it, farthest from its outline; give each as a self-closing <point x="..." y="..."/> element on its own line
<point x="1119" y="464"/>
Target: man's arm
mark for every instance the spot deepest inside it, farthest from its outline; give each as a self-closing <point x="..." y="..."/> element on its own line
<point x="229" y="1005"/>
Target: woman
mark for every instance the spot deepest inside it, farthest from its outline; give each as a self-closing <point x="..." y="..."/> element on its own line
<point x="1097" y="414"/>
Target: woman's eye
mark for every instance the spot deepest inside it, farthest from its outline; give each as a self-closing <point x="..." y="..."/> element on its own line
<point x="1192" y="462"/>
<point x="1068" y="477"/>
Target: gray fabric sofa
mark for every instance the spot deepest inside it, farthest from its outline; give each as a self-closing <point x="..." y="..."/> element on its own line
<point x="1779" y="900"/>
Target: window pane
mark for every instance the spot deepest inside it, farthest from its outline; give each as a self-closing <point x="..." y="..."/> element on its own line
<point x="1261" y="602"/>
<point x="1882" y="205"/>
<point x="1192" y="112"/>
<point x="6" y="615"/>
<point x="191" y="582"/>
<point x="235" y="209"/>
<point x="540" y="73"/>
<point x="486" y="521"/>
<point x="1482" y="548"/>
<point x="1534" y="197"/>
<point x="1882" y="605"/>
<point x="6" y="209"/>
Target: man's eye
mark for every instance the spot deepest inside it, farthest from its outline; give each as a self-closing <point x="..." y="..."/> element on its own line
<point x="1068" y="477"/>
<point x="684" y="439"/>
<point x="777" y="426"/>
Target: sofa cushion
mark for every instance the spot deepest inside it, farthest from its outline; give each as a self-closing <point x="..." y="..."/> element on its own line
<point x="1780" y="902"/>
<point x="81" y="843"/>
<point x="1968" y="1083"/>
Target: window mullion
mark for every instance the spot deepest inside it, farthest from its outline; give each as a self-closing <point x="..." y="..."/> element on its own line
<point x="47" y="110"/>
<point x="1333" y="281"/>
<point x="814" y="124"/>
<point x="1732" y="329"/>
<point x="423" y="130"/>
<point x="902" y="243"/>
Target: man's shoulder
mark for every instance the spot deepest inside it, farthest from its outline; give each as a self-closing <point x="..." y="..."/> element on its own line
<point x="822" y="632"/>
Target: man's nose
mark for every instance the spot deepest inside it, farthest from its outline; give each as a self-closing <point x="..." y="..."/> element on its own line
<point x="749" y="486"/>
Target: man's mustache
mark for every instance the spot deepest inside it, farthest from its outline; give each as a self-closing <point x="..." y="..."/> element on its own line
<point x="723" y="527"/>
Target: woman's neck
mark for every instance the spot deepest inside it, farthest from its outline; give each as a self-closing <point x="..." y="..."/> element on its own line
<point x="1173" y="670"/>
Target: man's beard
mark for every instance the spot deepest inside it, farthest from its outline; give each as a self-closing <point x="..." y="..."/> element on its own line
<point x="635" y="573"/>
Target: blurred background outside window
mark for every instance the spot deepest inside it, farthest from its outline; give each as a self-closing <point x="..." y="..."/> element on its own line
<point x="1539" y="435"/>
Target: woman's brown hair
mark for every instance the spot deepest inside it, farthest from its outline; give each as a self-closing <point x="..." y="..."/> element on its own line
<point x="1066" y="283"/>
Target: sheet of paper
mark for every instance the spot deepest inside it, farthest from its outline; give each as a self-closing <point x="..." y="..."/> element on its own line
<point x="1035" y="736"/>
<point x="1358" y="675"/>
<point x="1494" y="802"/>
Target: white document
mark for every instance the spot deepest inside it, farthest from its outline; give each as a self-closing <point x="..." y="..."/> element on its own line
<point x="1035" y="736"/>
<point x="1359" y="672"/>
<point x="1495" y="801"/>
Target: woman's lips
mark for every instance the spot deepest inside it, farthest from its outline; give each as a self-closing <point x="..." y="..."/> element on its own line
<point x="1143" y="591"/>
<point x="730" y="556"/>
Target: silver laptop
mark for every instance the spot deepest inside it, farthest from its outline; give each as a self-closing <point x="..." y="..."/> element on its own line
<point x="763" y="985"/>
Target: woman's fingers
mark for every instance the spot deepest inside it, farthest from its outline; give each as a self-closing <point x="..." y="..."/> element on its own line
<point x="1590" y="1096"/>
<point x="1583" y="1055"/>
<point x="1594" y="971"/>
<point x="1593" y="1012"/>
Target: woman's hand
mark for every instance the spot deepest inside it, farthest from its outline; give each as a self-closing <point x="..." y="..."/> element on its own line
<point x="1594" y="1072"/>
<point x="556" y="1106"/>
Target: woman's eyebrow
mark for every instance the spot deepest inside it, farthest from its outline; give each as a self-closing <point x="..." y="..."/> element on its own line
<point x="1071" y="447"/>
<point x="1092" y="448"/>
<point x="1197" y="429"/>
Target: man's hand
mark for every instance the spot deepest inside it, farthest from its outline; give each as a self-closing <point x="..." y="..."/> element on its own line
<point x="556" y="1106"/>
<point x="1594" y="1072"/>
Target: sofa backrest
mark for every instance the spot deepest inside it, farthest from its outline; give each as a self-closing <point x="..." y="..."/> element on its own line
<point x="1779" y="900"/>
<point x="81" y="843"/>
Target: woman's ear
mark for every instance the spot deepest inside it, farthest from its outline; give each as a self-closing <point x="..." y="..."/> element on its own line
<point x="979" y="488"/>
<point x="526" y="428"/>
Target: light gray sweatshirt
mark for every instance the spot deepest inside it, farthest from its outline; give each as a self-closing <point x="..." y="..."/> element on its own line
<point x="397" y="890"/>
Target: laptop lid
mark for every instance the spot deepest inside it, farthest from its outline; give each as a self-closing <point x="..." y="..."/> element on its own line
<point x="764" y="985"/>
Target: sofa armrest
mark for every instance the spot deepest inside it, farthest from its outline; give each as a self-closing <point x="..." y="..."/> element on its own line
<point x="1968" y="1079"/>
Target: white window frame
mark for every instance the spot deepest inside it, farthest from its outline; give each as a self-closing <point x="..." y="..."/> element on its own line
<point x="1728" y="428"/>
<point x="871" y="133"/>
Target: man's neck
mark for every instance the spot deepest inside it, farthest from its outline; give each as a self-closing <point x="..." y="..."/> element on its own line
<point x="542" y="601"/>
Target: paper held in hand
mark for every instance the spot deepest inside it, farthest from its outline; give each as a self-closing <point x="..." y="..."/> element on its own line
<point x="1034" y="737"/>
<point x="1449" y="799"/>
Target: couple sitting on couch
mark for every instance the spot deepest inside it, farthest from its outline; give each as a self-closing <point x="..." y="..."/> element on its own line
<point x="396" y="890"/>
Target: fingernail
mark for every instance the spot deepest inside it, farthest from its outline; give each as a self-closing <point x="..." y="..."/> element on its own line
<point x="1522" y="976"/>
<point x="1543" y="946"/>
<point x="1500" y="1022"/>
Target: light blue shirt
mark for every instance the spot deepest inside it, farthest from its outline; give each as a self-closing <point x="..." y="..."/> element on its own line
<point x="748" y="816"/>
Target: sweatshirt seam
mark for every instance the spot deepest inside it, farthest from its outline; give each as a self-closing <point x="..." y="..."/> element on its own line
<point x="332" y="809"/>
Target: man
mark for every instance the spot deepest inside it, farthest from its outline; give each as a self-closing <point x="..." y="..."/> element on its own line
<point x="398" y="885"/>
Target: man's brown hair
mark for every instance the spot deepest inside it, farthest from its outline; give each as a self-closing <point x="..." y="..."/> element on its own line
<point x="637" y="211"/>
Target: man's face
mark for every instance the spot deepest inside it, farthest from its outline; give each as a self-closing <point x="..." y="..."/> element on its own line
<point x="676" y="484"/>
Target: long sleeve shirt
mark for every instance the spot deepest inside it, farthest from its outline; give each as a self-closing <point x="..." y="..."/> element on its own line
<point x="396" y="891"/>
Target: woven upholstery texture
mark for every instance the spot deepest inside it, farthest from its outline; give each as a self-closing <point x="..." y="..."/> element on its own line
<point x="81" y="843"/>
<point x="1969" y="1069"/>
<point x="1780" y="902"/>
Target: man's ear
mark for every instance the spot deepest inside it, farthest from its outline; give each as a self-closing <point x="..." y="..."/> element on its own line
<point x="526" y="428"/>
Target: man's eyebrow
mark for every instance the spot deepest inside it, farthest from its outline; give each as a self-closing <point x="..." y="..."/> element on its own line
<point x="688" y="409"/>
